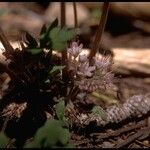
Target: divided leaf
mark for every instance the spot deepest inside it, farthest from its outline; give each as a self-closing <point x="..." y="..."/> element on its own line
<point x="51" y="134"/>
<point x="54" y="37"/>
<point x="44" y="38"/>
<point x="59" y="37"/>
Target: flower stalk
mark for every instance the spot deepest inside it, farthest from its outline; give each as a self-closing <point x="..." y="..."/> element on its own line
<point x="100" y="30"/>
<point x="75" y="15"/>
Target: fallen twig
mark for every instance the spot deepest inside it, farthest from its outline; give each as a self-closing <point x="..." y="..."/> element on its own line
<point x="142" y="143"/>
<point x="118" y="132"/>
<point x="132" y="138"/>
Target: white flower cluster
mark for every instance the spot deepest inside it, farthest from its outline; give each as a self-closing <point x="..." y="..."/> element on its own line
<point x="81" y="67"/>
<point x="89" y="78"/>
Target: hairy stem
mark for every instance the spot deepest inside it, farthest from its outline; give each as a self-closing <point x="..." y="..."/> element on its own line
<point x="75" y="15"/>
<point x="100" y="30"/>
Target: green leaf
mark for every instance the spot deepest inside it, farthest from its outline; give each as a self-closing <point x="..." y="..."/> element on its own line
<point x="54" y="32"/>
<point x="56" y="68"/>
<point x="59" y="37"/>
<point x="43" y="29"/>
<point x="35" y="51"/>
<point x="55" y="37"/>
<point x="60" y="110"/>
<point x="3" y="140"/>
<point x="53" y="25"/>
<point x="66" y="35"/>
<point x="99" y="112"/>
<point x="44" y="38"/>
<point x="31" y="42"/>
<point x="58" y="45"/>
<point x="51" y="134"/>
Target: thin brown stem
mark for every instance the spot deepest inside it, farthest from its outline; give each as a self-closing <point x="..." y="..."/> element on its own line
<point x="63" y="23"/>
<point x="75" y="15"/>
<point x="5" y="42"/>
<point x="100" y="30"/>
<point x="64" y="52"/>
<point x="63" y="14"/>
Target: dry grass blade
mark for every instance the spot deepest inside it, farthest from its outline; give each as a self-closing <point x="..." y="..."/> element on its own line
<point x="101" y="26"/>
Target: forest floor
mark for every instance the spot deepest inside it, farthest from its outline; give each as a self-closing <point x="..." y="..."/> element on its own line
<point x="133" y="133"/>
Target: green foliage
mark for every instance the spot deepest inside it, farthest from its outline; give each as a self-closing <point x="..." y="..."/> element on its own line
<point x="42" y="73"/>
<point x="51" y="38"/>
<point x="60" y="110"/>
<point x="99" y="112"/>
<point x="56" y="69"/>
<point x="44" y="34"/>
<point x="54" y="37"/>
<point x="3" y="140"/>
<point x="55" y="75"/>
<point x="60" y="36"/>
<point x="52" y="134"/>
